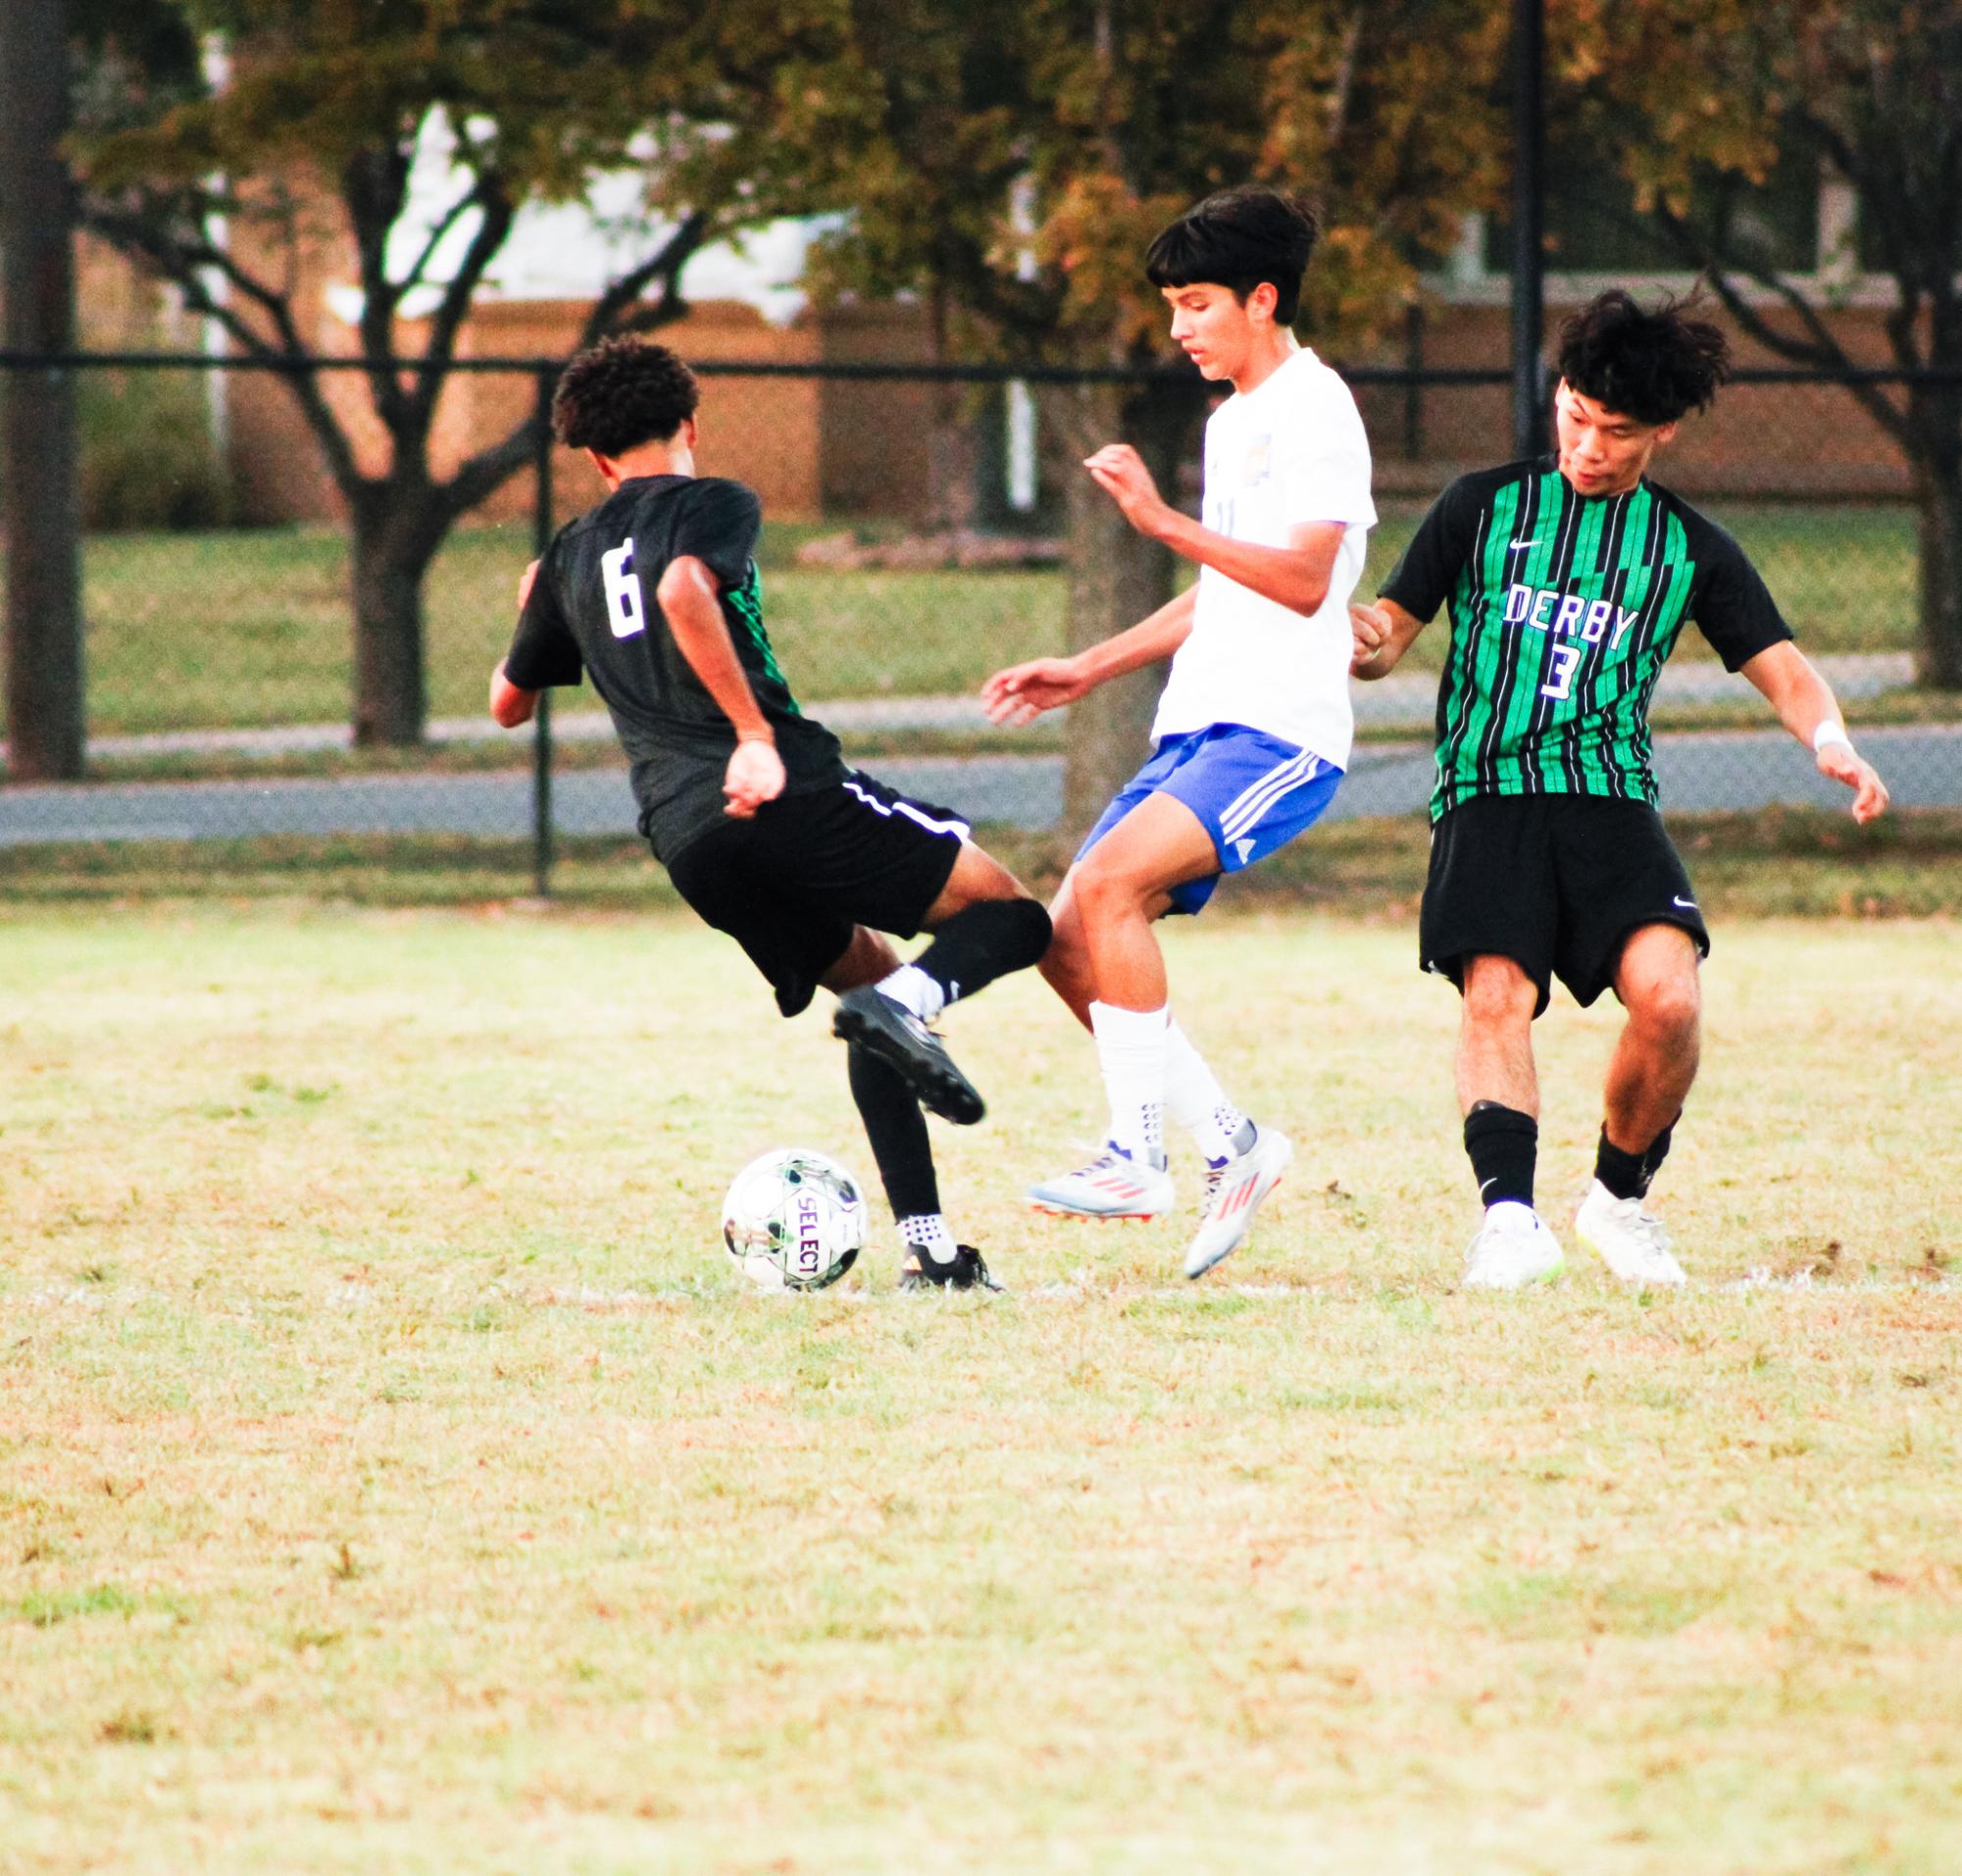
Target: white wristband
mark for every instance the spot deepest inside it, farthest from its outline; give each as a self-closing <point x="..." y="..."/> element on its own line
<point x="1830" y="731"/>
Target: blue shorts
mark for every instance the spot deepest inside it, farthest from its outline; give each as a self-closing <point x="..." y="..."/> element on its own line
<point x="1253" y="791"/>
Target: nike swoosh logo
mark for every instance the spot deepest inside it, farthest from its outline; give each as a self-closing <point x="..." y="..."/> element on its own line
<point x="1688" y="905"/>
<point x="1484" y="1183"/>
<point x="1520" y="545"/>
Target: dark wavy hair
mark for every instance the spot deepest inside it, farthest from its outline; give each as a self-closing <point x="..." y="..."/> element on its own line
<point x="1654" y="365"/>
<point x="621" y="393"/>
<point x="1236" y="239"/>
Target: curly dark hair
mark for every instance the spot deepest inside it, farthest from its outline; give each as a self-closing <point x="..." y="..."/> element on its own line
<point x="1237" y="239"/>
<point x="1653" y="365"/>
<point x="621" y="393"/>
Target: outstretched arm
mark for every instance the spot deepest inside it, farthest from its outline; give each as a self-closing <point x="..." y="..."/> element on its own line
<point x="1296" y="575"/>
<point x="1022" y="693"/>
<point x="690" y="602"/>
<point x="1806" y="706"/>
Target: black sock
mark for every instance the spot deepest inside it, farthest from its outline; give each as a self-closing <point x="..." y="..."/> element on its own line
<point x="897" y="1132"/>
<point x="1658" y="1151"/>
<point x="1631" y="1175"/>
<point x="983" y="943"/>
<point x="1503" y="1144"/>
<point x="1623" y="1174"/>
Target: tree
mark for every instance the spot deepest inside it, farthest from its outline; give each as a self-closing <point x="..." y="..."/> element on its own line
<point x="229" y="190"/>
<point x="1011" y="159"/>
<point x="1870" y="92"/>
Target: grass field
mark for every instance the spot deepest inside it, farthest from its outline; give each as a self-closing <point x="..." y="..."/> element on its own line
<point x="393" y="1478"/>
<point x="246" y="629"/>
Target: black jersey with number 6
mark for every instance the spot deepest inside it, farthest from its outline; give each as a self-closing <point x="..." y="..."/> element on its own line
<point x="593" y="608"/>
<point x="1563" y="610"/>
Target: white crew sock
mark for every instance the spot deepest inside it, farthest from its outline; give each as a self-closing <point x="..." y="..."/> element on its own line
<point x="1195" y="1099"/>
<point x="1131" y="1047"/>
<point x="912" y="986"/>
<point x="927" y="1233"/>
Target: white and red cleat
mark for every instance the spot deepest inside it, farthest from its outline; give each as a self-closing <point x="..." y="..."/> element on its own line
<point x="1111" y="1186"/>
<point x="1235" y="1190"/>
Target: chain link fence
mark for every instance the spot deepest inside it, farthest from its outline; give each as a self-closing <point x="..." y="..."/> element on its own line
<point x="216" y="569"/>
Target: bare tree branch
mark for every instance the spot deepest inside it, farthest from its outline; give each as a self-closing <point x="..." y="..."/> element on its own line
<point x="664" y="264"/>
<point x="187" y="262"/>
<point x="499" y="212"/>
<point x="374" y="186"/>
<point x="1822" y="351"/>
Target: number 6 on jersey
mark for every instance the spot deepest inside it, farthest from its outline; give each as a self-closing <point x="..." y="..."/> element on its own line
<point x="625" y="606"/>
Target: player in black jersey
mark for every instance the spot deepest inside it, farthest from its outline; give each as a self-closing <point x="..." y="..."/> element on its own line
<point x="1568" y="580"/>
<point x="747" y="802"/>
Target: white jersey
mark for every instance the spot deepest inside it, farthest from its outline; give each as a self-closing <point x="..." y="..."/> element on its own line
<point x="1288" y="452"/>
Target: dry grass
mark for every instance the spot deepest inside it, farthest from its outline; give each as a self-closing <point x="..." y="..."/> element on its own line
<point x="390" y="1476"/>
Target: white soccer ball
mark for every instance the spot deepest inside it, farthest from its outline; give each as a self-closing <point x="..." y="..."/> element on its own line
<point x="795" y="1219"/>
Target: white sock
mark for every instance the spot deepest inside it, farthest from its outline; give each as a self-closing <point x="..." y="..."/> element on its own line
<point x="912" y="986"/>
<point x="1195" y="1099"/>
<point x="927" y="1233"/>
<point x="1131" y="1047"/>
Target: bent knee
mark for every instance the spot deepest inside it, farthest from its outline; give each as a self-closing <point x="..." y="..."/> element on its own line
<point x="1671" y="1005"/>
<point x="1098" y="892"/>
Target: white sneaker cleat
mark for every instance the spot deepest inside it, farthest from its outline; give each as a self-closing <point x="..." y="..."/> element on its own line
<point x="1111" y="1186"/>
<point x="1630" y="1241"/>
<point x="1234" y="1191"/>
<point x="1513" y="1248"/>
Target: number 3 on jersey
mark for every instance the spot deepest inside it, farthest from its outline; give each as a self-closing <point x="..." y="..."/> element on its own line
<point x="625" y="606"/>
<point x="1560" y="684"/>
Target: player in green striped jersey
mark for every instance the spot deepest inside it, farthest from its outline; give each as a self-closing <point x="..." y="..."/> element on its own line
<point x="1568" y="580"/>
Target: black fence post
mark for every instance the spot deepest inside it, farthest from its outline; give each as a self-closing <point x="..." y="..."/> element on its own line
<point x="541" y="729"/>
<point x="40" y="509"/>
<point x="1528" y="223"/>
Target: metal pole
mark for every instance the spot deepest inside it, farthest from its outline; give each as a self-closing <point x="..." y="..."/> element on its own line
<point x="1413" y="385"/>
<point x="541" y="723"/>
<point x="39" y="448"/>
<point x="1528" y="249"/>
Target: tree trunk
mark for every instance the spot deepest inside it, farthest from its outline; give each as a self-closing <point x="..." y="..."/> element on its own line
<point x="39" y="489"/>
<point x="1117" y="578"/>
<point x="1938" y="421"/>
<point x="394" y="542"/>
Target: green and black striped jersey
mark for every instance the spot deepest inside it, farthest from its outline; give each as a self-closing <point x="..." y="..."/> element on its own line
<point x="593" y="608"/>
<point x="1562" y="609"/>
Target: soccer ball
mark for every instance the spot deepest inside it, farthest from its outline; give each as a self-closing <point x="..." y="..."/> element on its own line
<point x="795" y="1219"/>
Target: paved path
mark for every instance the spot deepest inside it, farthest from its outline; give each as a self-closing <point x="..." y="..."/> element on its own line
<point x="1741" y="769"/>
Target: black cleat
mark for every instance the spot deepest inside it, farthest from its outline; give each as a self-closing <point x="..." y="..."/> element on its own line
<point x="966" y="1272"/>
<point x="871" y="1020"/>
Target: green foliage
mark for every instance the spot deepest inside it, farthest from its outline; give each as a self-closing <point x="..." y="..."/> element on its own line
<point x="147" y="456"/>
<point x="1017" y="158"/>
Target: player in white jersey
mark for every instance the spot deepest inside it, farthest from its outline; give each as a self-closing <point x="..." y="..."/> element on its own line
<point x="1253" y="729"/>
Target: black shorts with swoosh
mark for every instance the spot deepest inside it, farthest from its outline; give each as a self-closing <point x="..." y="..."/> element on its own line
<point x="1554" y="881"/>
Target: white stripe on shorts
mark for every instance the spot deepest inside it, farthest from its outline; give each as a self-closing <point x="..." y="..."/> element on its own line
<point x="1247" y="807"/>
<point x="960" y="828"/>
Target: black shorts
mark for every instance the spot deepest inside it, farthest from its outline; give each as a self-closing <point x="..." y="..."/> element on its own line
<point x="790" y="884"/>
<point x="1554" y="881"/>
